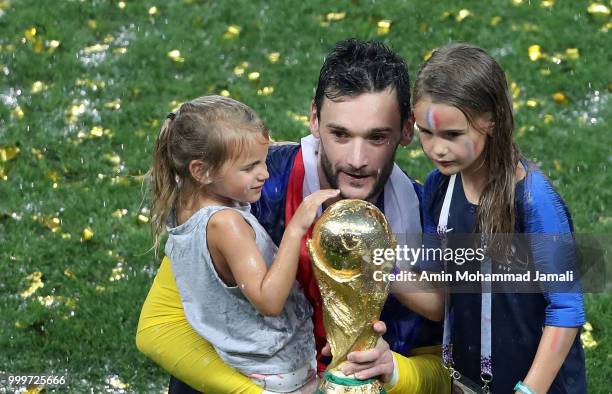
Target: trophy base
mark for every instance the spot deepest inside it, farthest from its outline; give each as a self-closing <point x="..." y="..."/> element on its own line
<point x="338" y="383"/>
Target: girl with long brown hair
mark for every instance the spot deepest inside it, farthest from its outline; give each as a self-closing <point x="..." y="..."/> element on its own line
<point x="498" y="339"/>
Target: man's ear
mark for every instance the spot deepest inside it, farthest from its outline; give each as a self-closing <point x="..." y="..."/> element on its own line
<point x="199" y="172"/>
<point x="314" y="121"/>
<point x="407" y="131"/>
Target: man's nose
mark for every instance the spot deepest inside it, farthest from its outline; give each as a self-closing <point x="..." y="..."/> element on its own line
<point x="357" y="156"/>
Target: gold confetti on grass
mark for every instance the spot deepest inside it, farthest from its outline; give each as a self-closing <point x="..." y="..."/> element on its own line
<point x="38" y="87"/>
<point x="93" y="84"/>
<point x="560" y="98"/>
<point x="37" y="153"/>
<point x="548" y="119"/>
<point x="586" y="336"/>
<point x="96" y="48"/>
<point x="75" y="111"/>
<point x="428" y="54"/>
<point x="240" y="69"/>
<point x="605" y="28"/>
<point x="9" y="153"/>
<point x="117" y="272"/>
<point x="598" y="10"/>
<point x="30" y="34"/>
<point x="113" y="158"/>
<point x="495" y="21"/>
<point x="463" y="14"/>
<point x="116" y="383"/>
<point x="305" y="120"/>
<point x="87" y="234"/>
<point x="51" y="301"/>
<point x="547" y="3"/>
<point x="175" y="56"/>
<point x="515" y="89"/>
<point x="115" y="104"/>
<point x="273" y="57"/>
<point x="253" y="76"/>
<point x="35" y="389"/>
<point x="51" y="222"/>
<point x="383" y="27"/>
<point x="17" y="112"/>
<point x="233" y="31"/>
<point x="52" y="45"/>
<point x="414" y="153"/>
<point x="545" y="72"/>
<point x="119" y="213"/>
<point x="572" y="53"/>
<point x="94" y="133"/>
<point x="36" y="283"/>
<point x="265" y="91"/>
<point x="335" y="16"/>
<point x="535" y="52"/>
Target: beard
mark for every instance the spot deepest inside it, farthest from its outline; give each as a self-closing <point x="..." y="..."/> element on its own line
<point x="331" y="174"/>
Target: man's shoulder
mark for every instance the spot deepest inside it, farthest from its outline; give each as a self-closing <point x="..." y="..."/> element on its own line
<point x="280" y="161"/>
<point x="281" y="149"/>
<point x="416" y="185"/>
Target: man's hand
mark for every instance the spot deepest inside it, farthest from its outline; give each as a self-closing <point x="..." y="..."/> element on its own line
<point x="377" y="362"/>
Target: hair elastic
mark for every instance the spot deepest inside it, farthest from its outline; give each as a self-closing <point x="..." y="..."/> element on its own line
<point x="171" y="116"/>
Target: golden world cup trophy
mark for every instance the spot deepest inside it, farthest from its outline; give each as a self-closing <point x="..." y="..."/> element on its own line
<point x="342" y="248"/>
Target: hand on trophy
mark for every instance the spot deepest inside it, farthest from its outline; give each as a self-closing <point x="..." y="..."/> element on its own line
<point x="307" y="211"/>
<point x="377" y="362"/>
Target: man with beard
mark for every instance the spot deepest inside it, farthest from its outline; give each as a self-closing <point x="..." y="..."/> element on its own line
<point x="359" y="116"/>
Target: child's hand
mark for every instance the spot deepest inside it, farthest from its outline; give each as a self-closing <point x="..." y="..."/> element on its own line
<point x="307" y="211"/>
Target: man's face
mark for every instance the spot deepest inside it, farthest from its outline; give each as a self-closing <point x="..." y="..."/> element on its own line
<point x="358" y="138"/>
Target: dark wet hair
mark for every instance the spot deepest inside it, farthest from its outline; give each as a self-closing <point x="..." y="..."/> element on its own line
<point x="355" y="67"/>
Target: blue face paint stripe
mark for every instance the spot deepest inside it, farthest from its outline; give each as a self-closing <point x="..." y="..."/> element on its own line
<point x="470" y="149"/>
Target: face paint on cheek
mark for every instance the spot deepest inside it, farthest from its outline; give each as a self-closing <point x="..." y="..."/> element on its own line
<point x="431" y="119"/>
<point x="470" y="148"/>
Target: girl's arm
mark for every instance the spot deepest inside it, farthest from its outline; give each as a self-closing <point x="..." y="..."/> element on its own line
<point x="421" y="298"/>
<point x="165" y="337"/>
<point x="230" y="236"/>
<point x="547" y="219"/>
<point x="552" y="351"/>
